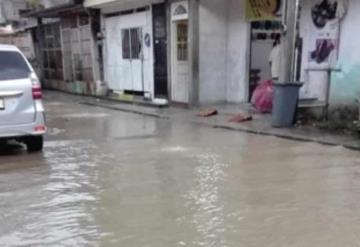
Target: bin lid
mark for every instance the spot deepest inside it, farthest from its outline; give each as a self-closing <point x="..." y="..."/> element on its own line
<point x="288" y="84"/>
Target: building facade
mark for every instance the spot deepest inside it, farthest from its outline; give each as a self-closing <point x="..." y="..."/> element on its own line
<point x="229" y="50"/>
<point x="198" y="51"/>
<point x="133" y="43"/>
<point x="66" y="45"/>
<point x="194" y="52"/>
<point x="19" y="33"/>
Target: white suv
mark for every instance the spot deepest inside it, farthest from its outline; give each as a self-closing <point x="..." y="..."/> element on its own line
<point x="21" y="109"/>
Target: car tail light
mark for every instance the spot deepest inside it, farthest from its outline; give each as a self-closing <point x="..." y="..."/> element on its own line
<point x="36" y="92"/>
<point x="40" y="128"/>
<point x="36" y="87"/>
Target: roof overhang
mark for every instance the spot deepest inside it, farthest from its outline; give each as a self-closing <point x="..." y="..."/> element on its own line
<point x="6" y="31"/>
<point x="55" y="11"/>
<point x="99" y="3"/>
<point x="108" y="6"/>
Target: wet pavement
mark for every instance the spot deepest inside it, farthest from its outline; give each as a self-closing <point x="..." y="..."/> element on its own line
<point x="108" y="178"/>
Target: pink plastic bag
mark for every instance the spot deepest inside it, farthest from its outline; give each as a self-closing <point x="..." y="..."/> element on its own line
<point x="262" y="97"/>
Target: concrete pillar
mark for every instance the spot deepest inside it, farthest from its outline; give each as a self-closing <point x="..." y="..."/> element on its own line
<point x="168" y="48"/>
<point x="194" y="52"/>
<point x="290" y="21"/>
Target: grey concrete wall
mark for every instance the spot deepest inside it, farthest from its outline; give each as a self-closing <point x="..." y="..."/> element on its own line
<point x="238" y="53"/>
<point x="213" y="26"/>
<point x="10" y="9"/>
<point x="2" y="12"/>
<point x="224" y="51"/>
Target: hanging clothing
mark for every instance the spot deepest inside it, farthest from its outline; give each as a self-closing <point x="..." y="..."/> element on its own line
<point x="275" y="61"/>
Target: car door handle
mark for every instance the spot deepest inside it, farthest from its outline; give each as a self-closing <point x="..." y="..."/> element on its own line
<point x="5" y="94"/>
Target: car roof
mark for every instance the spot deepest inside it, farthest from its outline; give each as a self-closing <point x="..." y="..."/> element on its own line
<point x="4" y="47"/>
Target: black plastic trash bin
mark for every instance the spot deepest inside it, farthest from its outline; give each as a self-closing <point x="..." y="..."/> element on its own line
<point x="285" y="104"/>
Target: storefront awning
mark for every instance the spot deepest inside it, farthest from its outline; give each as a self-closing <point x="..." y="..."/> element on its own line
<point x="55" y="11"/>
<point x="99" y="3"/>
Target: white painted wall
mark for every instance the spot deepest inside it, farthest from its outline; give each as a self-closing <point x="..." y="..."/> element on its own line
<point x="213" y="26"/>
<point x="224" y="41"/>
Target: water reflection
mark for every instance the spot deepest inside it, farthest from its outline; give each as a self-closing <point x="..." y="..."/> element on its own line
<point x="11" y="148"/>
<point x="205" y="201"/>
<point x="62" y="202"/>
<point x="125" y="180"/>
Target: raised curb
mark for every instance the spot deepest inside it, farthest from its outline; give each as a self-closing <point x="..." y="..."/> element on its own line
<point x="289" y="136"/>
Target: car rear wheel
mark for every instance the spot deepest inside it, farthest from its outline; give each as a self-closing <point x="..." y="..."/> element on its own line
<point x="34" y="143"/>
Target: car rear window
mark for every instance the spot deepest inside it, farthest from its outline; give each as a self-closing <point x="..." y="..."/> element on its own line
<point x="13" y="66"/>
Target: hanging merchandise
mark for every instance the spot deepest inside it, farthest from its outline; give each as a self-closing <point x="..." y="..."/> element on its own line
<point x="328" y="10"/>
<point x="323" y="50"/>
<point x="323" y="12"/>
<point x="268" y="25"/>
<point x="263" y="9"/>
<point x="325" y="30"/>
<point x="321" y="44"/>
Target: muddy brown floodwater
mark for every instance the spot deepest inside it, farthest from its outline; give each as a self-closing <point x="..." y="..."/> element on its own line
<point x="108" y="178"/>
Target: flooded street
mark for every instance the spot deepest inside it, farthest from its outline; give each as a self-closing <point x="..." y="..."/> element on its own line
<point x="108" y="178"/>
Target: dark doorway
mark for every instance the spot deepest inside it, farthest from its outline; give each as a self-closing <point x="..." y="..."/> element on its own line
<point x="160" y="50"/>
<point x="263" y="35"/>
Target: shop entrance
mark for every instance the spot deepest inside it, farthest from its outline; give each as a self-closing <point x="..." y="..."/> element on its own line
<point x="127" y="62"/>
<point x="263" y="35"/>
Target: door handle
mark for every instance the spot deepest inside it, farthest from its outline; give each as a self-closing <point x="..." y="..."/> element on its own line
<point x="10" y="93"/>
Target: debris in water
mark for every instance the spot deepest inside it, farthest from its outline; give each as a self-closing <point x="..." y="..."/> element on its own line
<point x="239" y="118"/>
<point x="208" y="113"/>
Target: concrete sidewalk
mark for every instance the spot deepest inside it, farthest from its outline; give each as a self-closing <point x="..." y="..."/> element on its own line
<point x="261" y="124"/>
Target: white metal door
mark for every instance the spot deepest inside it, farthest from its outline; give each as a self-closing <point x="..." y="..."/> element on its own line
<point x="132" y="58"/>
<point x="180" y="64"/>
<point x="125" y="60"/>
<point x="124" y="67"/>
<point x="137" y="59"/>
